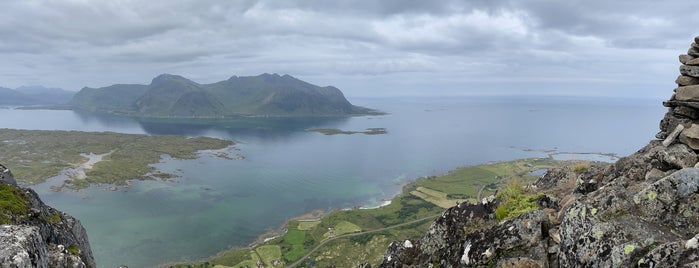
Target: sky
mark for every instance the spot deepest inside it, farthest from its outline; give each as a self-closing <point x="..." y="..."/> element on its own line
<point x="365" y="48"/>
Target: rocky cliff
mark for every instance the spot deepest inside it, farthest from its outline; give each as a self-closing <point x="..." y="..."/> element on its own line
<point x="33" y="234"/>
<point x="641" y="211"/>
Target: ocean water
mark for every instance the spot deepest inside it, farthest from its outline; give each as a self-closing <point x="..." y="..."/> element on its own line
<point x="215" y="204"/>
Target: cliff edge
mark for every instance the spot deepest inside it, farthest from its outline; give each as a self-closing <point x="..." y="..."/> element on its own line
<point x="642" y="211"/>
<point x="33" y="234"/>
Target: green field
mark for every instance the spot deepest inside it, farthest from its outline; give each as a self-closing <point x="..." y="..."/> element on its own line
<point x="360" y="235"/>
<point x="307" y="225"/>
<point x="36" y="155"/>
<point x="343" y="227"/>
<point x="269" y="253"/>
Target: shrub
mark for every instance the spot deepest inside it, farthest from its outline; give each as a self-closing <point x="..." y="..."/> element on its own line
<point x="513" y="201"/>
<point x="54" y="218"/>
<point x="13" y="203"/>
<point x="580" y="167"/>
<point x="74" y="249"/>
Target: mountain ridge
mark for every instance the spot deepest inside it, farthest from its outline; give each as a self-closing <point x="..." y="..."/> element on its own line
<point x="34" y="95"/>
<point x="176" y="96"/>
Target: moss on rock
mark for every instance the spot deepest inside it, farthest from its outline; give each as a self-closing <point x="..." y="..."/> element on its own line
<point x="13" y="203"/>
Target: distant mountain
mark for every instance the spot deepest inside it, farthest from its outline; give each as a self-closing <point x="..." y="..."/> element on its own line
<point x="175" y="96"/>
<point x="34" y="95"/>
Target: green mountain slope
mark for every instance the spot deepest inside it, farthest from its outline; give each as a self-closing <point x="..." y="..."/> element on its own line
<point x="175" y="96"/>
<point x="116" y="98"/>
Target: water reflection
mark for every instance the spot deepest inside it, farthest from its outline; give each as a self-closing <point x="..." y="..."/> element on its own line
<point x="258" y="127"/>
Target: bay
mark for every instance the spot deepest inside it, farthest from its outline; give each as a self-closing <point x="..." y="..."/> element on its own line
<point x="216" y="203"/>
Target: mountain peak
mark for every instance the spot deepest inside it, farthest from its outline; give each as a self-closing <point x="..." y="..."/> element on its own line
<point x="170" y="78"/>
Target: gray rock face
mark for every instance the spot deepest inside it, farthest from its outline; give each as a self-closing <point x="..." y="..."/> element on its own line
<point x="652" y="156"/>
<point x="6" y="176"/>
<point x="517" y="241"/>
<point x="44" y="237"/>
<point x="443" y="244"/>
<point x="671" y="201"/>
<point x="22" y="246"/>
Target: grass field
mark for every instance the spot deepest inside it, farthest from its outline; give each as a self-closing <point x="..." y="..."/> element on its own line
<point x="438" y="198"/>
<point x="307" y="225"/>
<point x="343" y="227"/>
<point x="269" y="253"/>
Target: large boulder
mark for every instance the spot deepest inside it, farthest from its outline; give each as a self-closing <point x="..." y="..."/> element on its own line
<point x="688" y="70"/>
<point x="687" y="93"/>
<point x="684" y="80"/>
<point x="690" y="137"/>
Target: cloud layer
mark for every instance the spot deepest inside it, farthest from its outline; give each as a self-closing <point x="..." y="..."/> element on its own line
<point x="367" y="48"/>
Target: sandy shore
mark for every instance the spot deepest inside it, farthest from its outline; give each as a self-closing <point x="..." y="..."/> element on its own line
<point x="79" y="171"/>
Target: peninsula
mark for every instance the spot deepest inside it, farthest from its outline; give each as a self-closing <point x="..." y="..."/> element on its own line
<point x="173" y="96"/>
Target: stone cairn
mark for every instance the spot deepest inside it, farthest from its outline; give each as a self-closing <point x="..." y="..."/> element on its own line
<point x="682" y="118"/>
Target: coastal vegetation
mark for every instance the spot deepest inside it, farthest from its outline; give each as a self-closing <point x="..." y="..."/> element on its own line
<point x="36" y="155"/>
<point x="344" y="238"/>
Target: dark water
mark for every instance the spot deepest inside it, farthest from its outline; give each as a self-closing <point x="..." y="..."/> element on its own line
<point x="217" y="203"/>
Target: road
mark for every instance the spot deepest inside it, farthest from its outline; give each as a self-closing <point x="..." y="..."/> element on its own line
<point x="356" y="234"/>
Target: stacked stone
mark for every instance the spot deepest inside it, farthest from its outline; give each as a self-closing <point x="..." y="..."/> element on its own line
<point x="682" y="118"/>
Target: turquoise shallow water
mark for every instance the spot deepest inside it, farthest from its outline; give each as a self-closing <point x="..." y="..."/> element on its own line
<point x="216" y="203"/>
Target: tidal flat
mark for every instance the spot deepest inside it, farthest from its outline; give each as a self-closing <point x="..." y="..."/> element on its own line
<point x="37" y="155"/>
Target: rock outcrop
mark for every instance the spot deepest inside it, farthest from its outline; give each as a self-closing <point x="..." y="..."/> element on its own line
<point x="642" y="211"/>
<point x="33" y="234"/>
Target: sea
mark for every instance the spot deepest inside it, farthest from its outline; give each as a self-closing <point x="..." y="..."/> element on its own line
<point x="215" y="204"/>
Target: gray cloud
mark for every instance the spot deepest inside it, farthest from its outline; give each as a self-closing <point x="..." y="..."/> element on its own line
<point x="397" y="47"/>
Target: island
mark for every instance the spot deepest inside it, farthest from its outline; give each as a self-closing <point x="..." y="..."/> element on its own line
<point x="87" y="158"/>
<point x="173" y="96"/>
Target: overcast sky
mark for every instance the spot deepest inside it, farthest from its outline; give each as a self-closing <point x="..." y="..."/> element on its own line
<point x="366" y="48"/>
